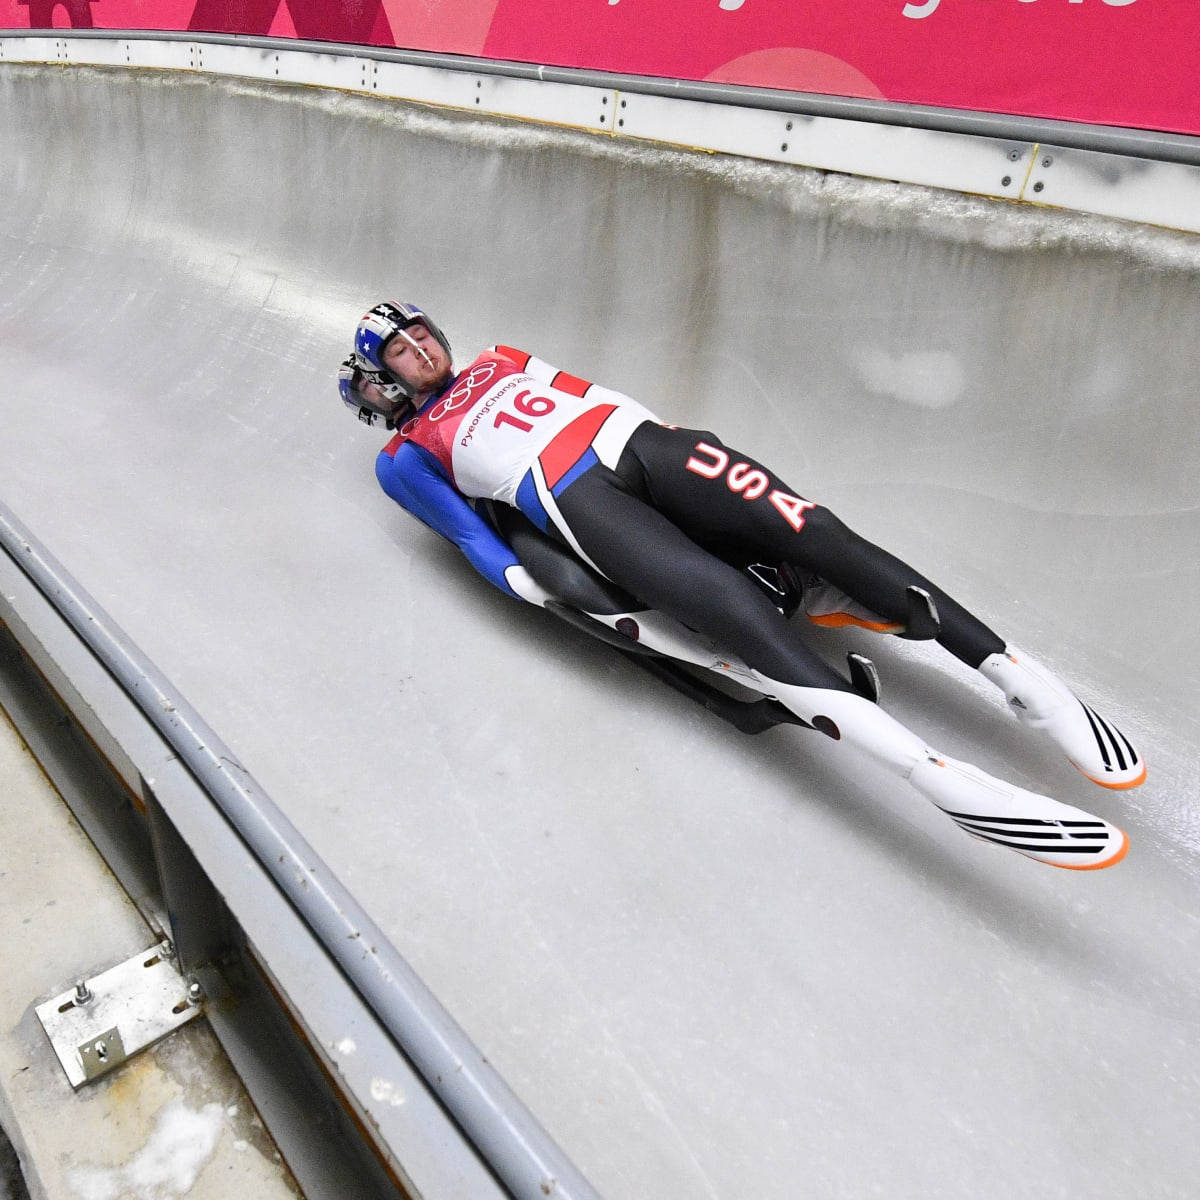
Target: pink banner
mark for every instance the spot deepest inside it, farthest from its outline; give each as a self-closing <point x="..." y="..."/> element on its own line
<point x="1112" y="62"/>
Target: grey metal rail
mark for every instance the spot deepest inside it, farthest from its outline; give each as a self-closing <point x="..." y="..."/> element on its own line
<point x="1133" y="143"/>
<point x="522" y="1154"/>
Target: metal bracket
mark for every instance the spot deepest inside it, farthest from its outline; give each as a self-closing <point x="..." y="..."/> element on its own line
<point x="102" y="1054"/>
<point x="922" y="622"/>
<point x="864" y="676"/>
<point x="104" y="1021"/>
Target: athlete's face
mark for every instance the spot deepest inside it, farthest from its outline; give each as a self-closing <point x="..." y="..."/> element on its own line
<point x="370" y="391"/>
<point x="376" y="395"/>
<point x="418" y="358"/>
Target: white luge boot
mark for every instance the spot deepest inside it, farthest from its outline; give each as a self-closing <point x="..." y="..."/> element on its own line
<point x="986" y="808"/>
<point x="1041" y="700"/>
<point x="1034" y="825"/>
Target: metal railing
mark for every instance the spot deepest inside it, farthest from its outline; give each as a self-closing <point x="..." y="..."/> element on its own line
<point x="1107" y="139"/>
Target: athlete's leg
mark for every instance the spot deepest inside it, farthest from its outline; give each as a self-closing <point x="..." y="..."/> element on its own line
<point x="642" y="551"/>
<point x="880" y="580"/>
<point x="715" y="493"/>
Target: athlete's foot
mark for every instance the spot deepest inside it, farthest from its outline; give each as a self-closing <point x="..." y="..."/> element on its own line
<point x="1041" y="700"/>
<point x="1029" y="823"/>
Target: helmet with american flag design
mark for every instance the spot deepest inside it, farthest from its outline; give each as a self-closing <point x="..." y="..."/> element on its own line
<point x="383" y="323"/>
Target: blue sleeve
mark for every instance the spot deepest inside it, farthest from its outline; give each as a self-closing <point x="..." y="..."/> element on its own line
<point x="417" y="482"/>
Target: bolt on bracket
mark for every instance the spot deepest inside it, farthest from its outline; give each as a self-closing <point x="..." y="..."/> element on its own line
<point x="100" y="1023"/>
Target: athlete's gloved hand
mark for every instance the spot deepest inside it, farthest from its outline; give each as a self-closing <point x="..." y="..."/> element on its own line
<point x="525" y="585"/>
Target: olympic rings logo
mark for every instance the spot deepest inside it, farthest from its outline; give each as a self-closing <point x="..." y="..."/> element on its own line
<point x="476" y="378"/>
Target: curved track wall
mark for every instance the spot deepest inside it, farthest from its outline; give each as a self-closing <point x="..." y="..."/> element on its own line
<point x="713" y="966"/>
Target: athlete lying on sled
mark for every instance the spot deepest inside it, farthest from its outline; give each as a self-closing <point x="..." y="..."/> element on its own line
<point x="673" y="517"/>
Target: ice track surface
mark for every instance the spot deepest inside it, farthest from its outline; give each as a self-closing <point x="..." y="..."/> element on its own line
<point x="714" y="966"/>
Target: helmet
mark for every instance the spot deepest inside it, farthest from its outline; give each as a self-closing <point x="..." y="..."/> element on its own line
<point x="384" y="322"/>
<point x="380" y="404"/>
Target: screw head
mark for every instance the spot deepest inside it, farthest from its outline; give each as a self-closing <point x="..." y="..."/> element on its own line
<point x="1006" y="181"/>
<point x="1014" y="155"/>
<point x="1037" y="187"/>
<point x="1047" y="161"/>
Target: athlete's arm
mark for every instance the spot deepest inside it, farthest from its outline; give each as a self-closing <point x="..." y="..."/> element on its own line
<point x="417" y="482"/>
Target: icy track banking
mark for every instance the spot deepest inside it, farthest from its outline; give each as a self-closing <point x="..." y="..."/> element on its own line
<point x="714" y="966"/>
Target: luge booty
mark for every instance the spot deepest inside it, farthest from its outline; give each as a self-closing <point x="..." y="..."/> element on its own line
<point x="1034" y="825"/>
<point x="1042" y="701"/>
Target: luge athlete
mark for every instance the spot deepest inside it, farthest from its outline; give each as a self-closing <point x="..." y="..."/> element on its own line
<point x="665" y="513"/>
